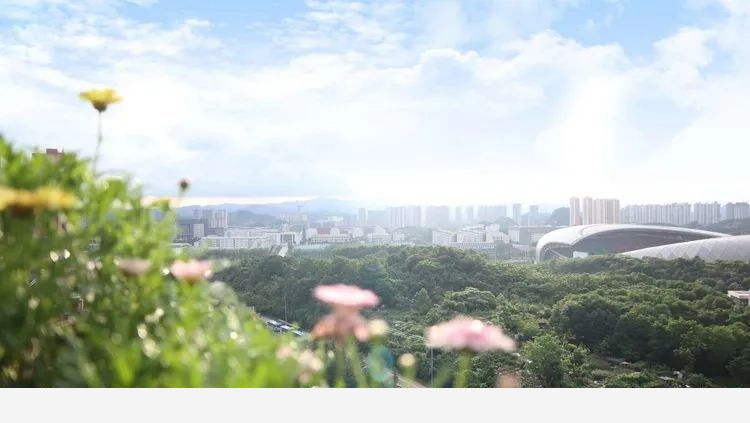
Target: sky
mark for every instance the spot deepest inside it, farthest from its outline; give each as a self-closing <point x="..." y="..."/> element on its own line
<point x="392" y="101"/>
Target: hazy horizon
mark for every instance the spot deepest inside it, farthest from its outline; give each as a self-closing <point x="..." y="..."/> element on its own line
<point x="546" y="206"/>
<point x="393" y="101"/>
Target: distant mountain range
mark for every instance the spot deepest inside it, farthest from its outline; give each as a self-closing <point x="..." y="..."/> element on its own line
<point x="314" y="206"/>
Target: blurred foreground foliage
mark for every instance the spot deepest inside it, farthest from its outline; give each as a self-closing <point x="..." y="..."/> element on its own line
<point x="70" y="317"/>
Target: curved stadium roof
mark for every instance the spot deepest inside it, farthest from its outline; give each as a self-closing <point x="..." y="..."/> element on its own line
<point x="732" y="248"/>
<point x="614" y="238"/>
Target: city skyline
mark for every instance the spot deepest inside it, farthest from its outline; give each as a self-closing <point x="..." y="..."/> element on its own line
<point x="545" y="206"/>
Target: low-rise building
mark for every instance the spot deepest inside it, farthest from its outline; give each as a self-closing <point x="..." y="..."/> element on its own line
<point x="327" y="236"/>
<point x="213" y="242"/>
<point x="470" y="235"/>
<point x="476" y="246"/>
<point x="743" y="296"/>
<point x="379" y="239"/>
<point x="274" y="235"/>
<point x="492" y="236"/>
<point x="443" y="237"/>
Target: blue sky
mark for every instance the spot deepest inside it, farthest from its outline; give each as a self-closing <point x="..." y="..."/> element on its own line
<point x="393" y="101"/>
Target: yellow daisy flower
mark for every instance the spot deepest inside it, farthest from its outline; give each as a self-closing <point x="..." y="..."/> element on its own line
<point x="54" y="198"/>
<point x="100" y="99"/>
<point x="42" y="198"/>
<point x="6" y="197"/>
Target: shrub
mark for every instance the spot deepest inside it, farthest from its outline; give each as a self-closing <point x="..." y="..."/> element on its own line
<point x="70" y="316"/>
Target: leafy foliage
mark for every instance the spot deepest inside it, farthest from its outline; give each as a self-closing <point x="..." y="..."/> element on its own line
<point x="71" y="317"/>
<point x="603" y="316"/>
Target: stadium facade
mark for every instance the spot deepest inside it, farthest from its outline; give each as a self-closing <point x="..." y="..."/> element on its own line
<point x="730" y="248"/>
<point x="640" y="241"/>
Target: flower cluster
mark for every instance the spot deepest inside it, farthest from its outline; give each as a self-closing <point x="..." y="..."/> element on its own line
<point x="463" y="334"/>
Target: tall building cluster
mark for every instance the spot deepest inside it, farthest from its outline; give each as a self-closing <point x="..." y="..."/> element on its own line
<point x="707" y="213"/>
<point x="440" y="216"/>
<point x="492" y="213"/>
<point x="205" y="222"/>
<point x="594" y="210"/>
<point x="404" y="217"/>
<point x="218" y="219"/>
<point x="673" y="214"/>
<point x="735" y="211"/>
<point x="437" y="216"/>
<point x="517" y="213"/>
<point x="590" y="211"/>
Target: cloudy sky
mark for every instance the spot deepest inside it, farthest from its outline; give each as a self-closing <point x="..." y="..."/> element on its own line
<point x="397" y="101"/>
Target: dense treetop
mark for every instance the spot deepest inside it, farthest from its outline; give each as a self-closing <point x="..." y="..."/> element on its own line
<point x="602" y="321"/>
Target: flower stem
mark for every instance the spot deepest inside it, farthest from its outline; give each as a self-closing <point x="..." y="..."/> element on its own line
<point x="99" y="137"/>
<point x="353" y="354"/>
<point x="464" y="365"/>
<point x="340" y="368"/>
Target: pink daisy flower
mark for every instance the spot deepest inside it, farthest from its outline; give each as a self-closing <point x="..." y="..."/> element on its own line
<point x="346" y="297"/>
<point x="191" y="271"/>
<point x="340" y="325"/>
<point x="133" y="266"/>
<point x="464" y="333"/>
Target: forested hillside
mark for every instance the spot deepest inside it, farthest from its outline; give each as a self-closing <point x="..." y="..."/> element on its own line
<point x="605" y="321"/>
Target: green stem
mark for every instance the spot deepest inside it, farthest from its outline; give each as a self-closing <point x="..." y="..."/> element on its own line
<point x="442" y="377"/>
<point x="356" y="363"/>
<point x="321" y="351"/>
<point x="99" y="137"/>
<point x="464" y="365"/>
<point x="340" y="368"/>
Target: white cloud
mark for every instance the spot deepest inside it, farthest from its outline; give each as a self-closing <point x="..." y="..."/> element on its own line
<point x="366" y="107"/>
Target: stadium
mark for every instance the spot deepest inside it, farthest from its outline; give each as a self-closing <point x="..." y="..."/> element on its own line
<point x="666" y="242"/>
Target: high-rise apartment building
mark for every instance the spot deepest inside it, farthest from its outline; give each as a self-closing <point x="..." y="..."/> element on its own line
<point x="502" y="212"/>
<point x="470" y="214"/>
<point x="492" y="213"/>
<point x="736" y="211"/>
<point x="532" y="217"/>
<point x="679" y="213"/>
<point x="437" y="216"/>
<point x="706" y="213"/>
<point x="458" y="216"/>
<point x="587" y="212"/>
<point x="517" y="213"/>
<point x="377" y="217"/>
<point x="606" y="210"/>
<point x="575" y="211"/>
<point x="414" y="216"/>
<point x="673" y="214"/>
<point x="404" y="217"/>
<point x="217" y="220"/>
<point x="599" y="210"/>
<point x="362" y="216"/>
